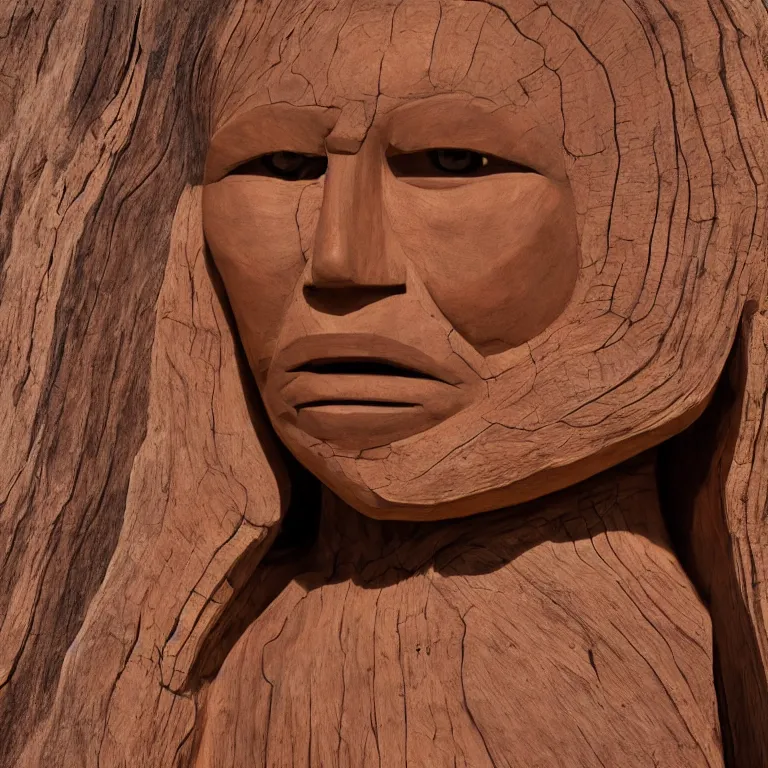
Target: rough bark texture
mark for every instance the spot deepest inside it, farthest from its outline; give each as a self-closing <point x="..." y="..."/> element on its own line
<point x="564" y="634"/>
<point x="139" y="487"/>
<point x="97" y="149"/>
<point x="714" y="493"/>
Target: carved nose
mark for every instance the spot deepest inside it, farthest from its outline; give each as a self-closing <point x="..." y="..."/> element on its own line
<point x="351" y="257"/>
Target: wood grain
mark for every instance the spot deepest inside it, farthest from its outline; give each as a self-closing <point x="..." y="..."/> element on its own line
<point x="140" y="487"/>
<point x="564" y="634"/>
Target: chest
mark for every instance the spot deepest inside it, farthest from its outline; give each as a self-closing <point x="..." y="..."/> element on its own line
<point x="511" y="667"/>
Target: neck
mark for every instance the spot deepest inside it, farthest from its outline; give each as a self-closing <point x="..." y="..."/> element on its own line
<point x="621" y="503"/>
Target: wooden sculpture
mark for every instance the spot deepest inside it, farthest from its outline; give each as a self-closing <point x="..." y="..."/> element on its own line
<point x="384" y="383"/>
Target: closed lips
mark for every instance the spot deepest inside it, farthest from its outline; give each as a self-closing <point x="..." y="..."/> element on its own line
<point x="358" y="382"/>
<point x="357" y="355"/>
<point x="361" y="390"/>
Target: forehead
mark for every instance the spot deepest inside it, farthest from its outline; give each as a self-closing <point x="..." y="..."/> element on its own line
<point x="369" y="56"/>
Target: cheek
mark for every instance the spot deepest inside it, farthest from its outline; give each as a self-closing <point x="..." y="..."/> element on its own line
<point x="251" y="229"/>
<point x="499" y="256"/>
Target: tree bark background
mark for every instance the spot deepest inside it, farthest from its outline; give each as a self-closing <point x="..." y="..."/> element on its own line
<point x="98" y="144"/>
<point x="122" y="409"/>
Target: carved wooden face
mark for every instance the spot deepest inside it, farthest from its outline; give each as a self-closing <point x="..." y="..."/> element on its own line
<point x="449" y="295"/>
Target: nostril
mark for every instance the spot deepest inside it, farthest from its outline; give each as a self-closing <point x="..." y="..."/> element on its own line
<point x="344" y="299"/>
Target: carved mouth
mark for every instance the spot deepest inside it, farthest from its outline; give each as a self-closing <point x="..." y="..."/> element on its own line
<point x="361" y="367"/>
<point x="361" y="390"/>
<point x="342" y="406"/>
<point x="366" y="356"/>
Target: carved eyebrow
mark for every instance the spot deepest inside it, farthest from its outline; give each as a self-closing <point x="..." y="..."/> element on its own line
<point x="516" y="134"/>
<point x="266" y="129"/>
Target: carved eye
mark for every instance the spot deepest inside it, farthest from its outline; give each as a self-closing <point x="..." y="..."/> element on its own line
<point x="289" y="166"/>
<point x="451" y="162"/>
<point x="456" y="160"/>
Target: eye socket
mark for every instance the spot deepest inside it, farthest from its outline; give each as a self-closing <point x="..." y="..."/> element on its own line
<point x="289" y="166"/>
<point x="459" y="161"/>
<point x="451" y="162"/>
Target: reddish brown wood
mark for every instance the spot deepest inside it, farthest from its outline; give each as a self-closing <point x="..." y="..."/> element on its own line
<point x="151" y="613"/>
<point x="543" y="636"/>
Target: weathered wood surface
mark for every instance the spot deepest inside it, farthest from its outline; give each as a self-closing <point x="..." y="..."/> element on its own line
<point x="97" y="148"/>
<point x="565" y="635"/>
<point x="661" y="145"/>
<point x="715" y="494"/>
<point x="135" y="492"/>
